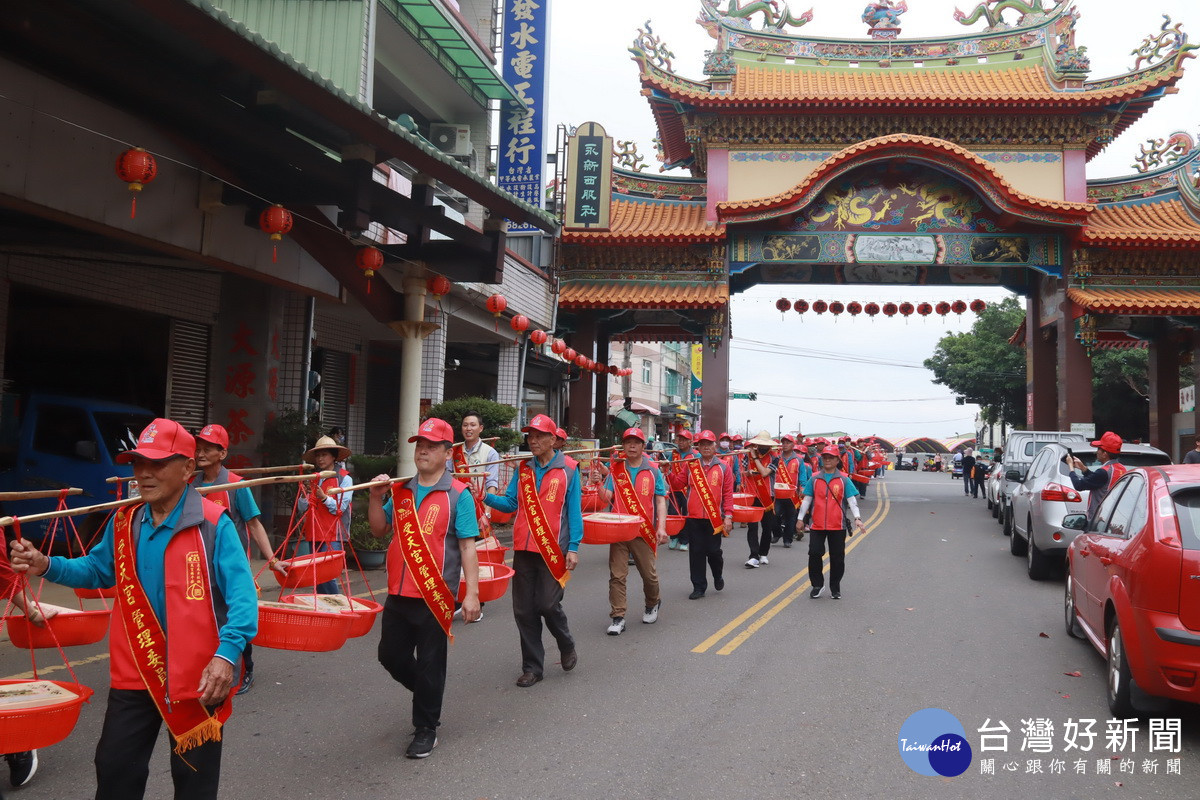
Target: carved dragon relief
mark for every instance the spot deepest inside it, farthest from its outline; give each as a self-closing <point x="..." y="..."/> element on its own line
<point x="1170" y="42"/>
<point x="626" y="156"/>
<point x="1163" y="152"/>
<point x="993" y="10"/>
<point x="652" y="46"/>
<point x="739" y="16"/>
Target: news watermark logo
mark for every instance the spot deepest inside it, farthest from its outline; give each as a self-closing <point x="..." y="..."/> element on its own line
<point x="933" y="742"/>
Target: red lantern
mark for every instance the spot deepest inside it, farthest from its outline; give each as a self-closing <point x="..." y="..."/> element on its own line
<point x="613" y="369"/>
<point x="943" y="308"/>
<point x="924" y="309"/>
<point x="558" y="347"/>
<point x="137" y="168"/>
<point x="978" y="306"/>
<point x="836" y="307"/>
<point x="958" y="307"/>
<point x="855" y="308"/>
<point x="496" y="304"/>
<point x="783" y="305"/>
<point x="890" y="309"/>
<point x="438" y="286"/>
<point x="569" y="355"/>
<point x="872" y="309"/>
<point x="538" y="337"/>
<point x="800" y="306"/>
<point x="275" y="221"/>
<point x="519" y="323"/>
<point x="906" y="309"/>
<point x="368" y="259"/>
<point x="820" y="306"/>
<point x="581" y="360"/>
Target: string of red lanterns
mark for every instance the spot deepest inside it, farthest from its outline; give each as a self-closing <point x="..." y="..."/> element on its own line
<point x="854" y="308"/>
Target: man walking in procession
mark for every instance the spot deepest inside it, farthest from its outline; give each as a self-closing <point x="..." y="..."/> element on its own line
<point x="828" y="493"/>
<point x="707" y="487"/>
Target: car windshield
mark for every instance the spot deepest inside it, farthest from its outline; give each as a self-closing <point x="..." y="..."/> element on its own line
<point x="1187" y="509"/>
<point x="120" y="430"/>
<point x="1131" y="460"/>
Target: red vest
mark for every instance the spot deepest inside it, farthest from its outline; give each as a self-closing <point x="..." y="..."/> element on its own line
<point x="436" y="518"/>
<point x="643" y="485"/>
<point x="319" y="524"/>
<point x="192" y="622"/>
<point x="716" y="478"/>
<point x="553" y="493"/>
<point x="828" y="497"/>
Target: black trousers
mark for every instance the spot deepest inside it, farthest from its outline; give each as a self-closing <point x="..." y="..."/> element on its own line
<point x="837" y="557"/>
<point x="536" y="596"/>
<point x="247" y="659"/>
<point x="704" y="552"/>
<point x="413" y="648"/>
<point x="968" y="482"/>
<point x="131" y="725"/>
<point x="785" y="514"/>
<point x="759" y="534"/>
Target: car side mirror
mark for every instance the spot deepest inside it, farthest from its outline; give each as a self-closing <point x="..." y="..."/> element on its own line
<point x="1075" y="522"/>
<point x="87" y="450"/>
<point x="1014" y="475"/>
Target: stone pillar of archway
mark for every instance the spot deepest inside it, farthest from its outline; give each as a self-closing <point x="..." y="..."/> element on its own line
<point x="1164" y="390"/>
<point x="580" y="396"/>
<point x="1041" y="387"/>
<point x="601" y="401"/>
<point x="1074" y="369"/>
<point x="714" y="408"/>
<point x="1195" y="346"/>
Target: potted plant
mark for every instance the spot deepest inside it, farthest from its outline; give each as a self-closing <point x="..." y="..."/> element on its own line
<point x="371" y="552"/>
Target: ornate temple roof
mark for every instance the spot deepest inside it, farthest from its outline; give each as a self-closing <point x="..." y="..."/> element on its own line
<point x="1137" y="300"/>
<point x="644" y="221"/>
<point x="1166" y="222"/>
<point x="628" y="293"/>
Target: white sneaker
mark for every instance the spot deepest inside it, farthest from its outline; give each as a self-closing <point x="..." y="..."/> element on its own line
<point x="752" y="563"/>
<point x="651" y="615"/>
<point x="762" y="561"/>
<point x="617" y="626"/>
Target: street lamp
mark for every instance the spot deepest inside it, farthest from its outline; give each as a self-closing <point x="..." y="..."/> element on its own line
<point x="747" y="429"/>
<point x="781" y="426"/>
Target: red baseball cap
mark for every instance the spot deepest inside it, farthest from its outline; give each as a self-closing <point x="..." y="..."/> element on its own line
<point x="737" y="437"/>
<point x="706" y="436"/>
<point x="684" y="434"/>
<point x="1109" y="441"/>
<point x="787" y="437"/>
<point x="560" y="434"/>
<point x="434" y="430"/>
<point x="214" y="434"/>
<point x="541" y="424"/>
<point x="724" y="435"/>
<point x="161" y="439"/>
<point x="636" y="433"/>
<point x="831" y="450"/>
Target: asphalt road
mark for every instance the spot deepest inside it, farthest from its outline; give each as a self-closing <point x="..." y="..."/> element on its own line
<point x="757" y="691"/>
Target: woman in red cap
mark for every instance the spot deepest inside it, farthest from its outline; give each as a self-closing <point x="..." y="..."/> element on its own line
<point x="1097" y="482"/>
<point x="545" y="493"/>
<point x="828" y="494"/>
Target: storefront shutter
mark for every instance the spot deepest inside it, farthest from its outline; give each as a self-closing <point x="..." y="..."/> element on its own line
<point x="335" y="391"/>
<point x="187" y="373"/>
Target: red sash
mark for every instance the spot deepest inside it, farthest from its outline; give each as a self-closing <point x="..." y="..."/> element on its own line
<point x="539" y="526"/>
<point x="784" y="475"/>
<point x="418" y="557"/>
<point x="633" y="502"/>
<point x="458" y="456"/>
<point x="760" y="485"/>
<point x="188" y="720"/>
<point x="704" y="493"/>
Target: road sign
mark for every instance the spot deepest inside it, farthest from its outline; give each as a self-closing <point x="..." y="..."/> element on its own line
<point x="743" y="395"/>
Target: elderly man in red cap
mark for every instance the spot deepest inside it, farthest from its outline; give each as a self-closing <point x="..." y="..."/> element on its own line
<point x="683" y="451"/>
<point x="708" y="487"/>
<point x="1097" y="482"/>
<point x="212" y="448"/>
<point x="790" y="478"/>
<point x="828" y="494"/>
<point x="173" y="659"/>
<point x="545" y="493"/>
<point x="635" y="486"/>
<point x="433" y="521"/>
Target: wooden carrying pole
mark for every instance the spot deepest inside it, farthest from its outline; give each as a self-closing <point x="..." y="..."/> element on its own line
<point x="130" y="501"/>
<point x="565" y="453"/>
<point x="37" y="494"/>
<point x="271" y="470"/>
<point x="368" y="485"/>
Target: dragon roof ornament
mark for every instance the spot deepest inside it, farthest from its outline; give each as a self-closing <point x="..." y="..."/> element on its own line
<point x="1032" y="13"/>
<point x="1159" y="48"/>
<point x="739" y="15"/>
<point x="652" y="48"/>
<point x="1163" y="152"/>
<point x="626" y="155"/>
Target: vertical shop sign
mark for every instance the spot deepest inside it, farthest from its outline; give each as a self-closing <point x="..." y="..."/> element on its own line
<point x="697" y="371"/>
<point x="523" y="128"/>
<point x="589" y="178"/>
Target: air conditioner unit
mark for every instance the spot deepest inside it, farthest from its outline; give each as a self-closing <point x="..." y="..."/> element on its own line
<point x="454" y="140"/>
<point x="675" y="400"/>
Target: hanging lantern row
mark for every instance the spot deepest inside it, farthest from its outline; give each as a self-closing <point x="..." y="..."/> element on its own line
<point x="854" y="308"/>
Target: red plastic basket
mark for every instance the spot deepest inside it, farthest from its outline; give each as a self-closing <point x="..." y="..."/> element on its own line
<point x="312" y="569"/>
<point x="500" y="517"/>
<point x="83" y="627"/>
<point x="24" y="729"/>
<point x="675" y="524"/>
<point x="95" y="594"/>
<point x="490" y="589"/>
<point x="590" y="499"/>
<point x="362" y="617"/>
<point x="747" y="513"/>
<point x="742" y="498"/>
<point x="491" y="555"/>
<point x="607" y="528"/>
<point x="858" y="477"/>
<point x="308" y="631"/>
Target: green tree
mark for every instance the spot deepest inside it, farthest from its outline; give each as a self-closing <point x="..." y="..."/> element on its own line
<point x="982" y="367"/>
<point x="496" y="418"/>
<point x="1121" y="392"/>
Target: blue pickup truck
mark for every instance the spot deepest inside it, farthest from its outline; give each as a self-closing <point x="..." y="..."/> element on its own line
<point x="55" y="442"/>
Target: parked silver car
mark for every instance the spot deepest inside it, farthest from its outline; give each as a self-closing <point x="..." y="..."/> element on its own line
<point x="1020" y="449"/>
<point x="1045" y="495"/>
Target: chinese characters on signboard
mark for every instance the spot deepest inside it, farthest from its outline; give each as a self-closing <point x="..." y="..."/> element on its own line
<point x="523" y="129"/>
<point x="589" y="178"/>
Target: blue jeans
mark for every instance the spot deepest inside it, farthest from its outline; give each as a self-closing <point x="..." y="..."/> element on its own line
<point x="304" y="547"/>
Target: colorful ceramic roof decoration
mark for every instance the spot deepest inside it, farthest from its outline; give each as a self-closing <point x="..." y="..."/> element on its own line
<point x="1138" y="300"/>
<point x="633" y="221"/>
<point x="627" y="293"/>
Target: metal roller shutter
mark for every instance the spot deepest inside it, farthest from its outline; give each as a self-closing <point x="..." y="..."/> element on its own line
<point x="335" y="390"/>
<point x="187" y="374"/>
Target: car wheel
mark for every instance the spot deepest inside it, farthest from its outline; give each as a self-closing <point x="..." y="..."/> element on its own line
<point x="1073" y="628"/>
<point x="1016" y="545"/>
<point x="1000" y="508"/>
<point x="990" y="504"/>
<point x="1037" y="563"/>
<point x="1120" y="680"/>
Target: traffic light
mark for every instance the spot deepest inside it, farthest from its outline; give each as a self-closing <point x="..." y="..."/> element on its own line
<point x="314" y="394"/>
<point x="754" y="395"/>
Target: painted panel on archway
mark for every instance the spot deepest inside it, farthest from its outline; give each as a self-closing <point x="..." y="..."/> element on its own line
<point x="951" y="249"/>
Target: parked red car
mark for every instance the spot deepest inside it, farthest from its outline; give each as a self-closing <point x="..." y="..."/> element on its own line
<point x="1133" y="585"/>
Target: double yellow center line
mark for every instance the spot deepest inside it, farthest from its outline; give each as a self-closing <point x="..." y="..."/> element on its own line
<point x="756" y="617"/>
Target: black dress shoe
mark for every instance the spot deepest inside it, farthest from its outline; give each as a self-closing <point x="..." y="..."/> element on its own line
<point x="718" y="584"/>
<point x="696" y="595"/>
<point x="528" y="679"/>
<point x="569" y="660"/>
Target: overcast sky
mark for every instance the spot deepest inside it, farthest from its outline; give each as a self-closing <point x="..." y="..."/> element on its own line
<point x="593" y="79"/>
